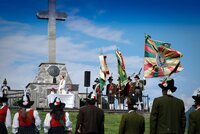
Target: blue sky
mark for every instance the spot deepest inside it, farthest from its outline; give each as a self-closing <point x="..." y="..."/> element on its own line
<point x="95" y="24"/>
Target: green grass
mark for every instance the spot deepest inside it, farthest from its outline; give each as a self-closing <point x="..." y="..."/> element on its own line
<point x="111" y="123"/>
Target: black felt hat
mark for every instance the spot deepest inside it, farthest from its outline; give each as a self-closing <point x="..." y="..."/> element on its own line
<point x="137" y="77"/>
<point x="5" y="81"/>
<point x="97" y="80"/>
<point x="131" y="102"/>
<point x="129" y="78"/>
<point x="110" y="78"/>
<point x="91" y="98"/>
<point x="168" y="84"/>
<point x="57" y="104"/>
<point x="25" y="102"/>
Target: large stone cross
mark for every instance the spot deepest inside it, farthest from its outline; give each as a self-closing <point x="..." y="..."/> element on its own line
<point x="51" y="15"/>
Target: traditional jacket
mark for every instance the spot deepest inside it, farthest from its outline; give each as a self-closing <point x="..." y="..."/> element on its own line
<point x="96" y="87"/>
<point x="51" y="122"/>
<point x="128" y="89"/>
<point x="111" y="89"/>
<point x="194" y="122"/>
<point x="132" y="123"/>
<point x="90" y="120"/>
<point x="167" y="116"/>
<point x="32" y="119"/>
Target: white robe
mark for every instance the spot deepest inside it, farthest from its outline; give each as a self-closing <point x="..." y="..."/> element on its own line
<point x="62" y="87"/>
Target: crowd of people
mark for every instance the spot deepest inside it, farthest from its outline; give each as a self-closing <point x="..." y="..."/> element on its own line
<point x="120" y="92"/>
<point x="167" y="115"/>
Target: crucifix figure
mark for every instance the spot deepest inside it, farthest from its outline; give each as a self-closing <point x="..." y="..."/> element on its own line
<point x="51" y="15"/>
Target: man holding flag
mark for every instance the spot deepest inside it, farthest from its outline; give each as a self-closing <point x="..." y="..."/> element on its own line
<point x="103" y="72"/>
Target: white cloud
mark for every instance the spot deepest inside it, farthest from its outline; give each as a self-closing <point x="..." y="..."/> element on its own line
<point x="12" y="25"/>
<point x="87" y="27"/>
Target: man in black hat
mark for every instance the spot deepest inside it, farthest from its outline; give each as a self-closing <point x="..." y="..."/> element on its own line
<point x="97" y="90"/>
<point x="111" y="92"/>
<point x="132" y="122"/>
<point x="194" y="117"/>
<point x="128" y="90"/>
<point x="90" y="119"/>
<point x="5" y="88"/>
<point x="168" y="112"/>
<point x="5" y="116"/>
<point x="26" y="120"/>
<point x="57" y="121"/>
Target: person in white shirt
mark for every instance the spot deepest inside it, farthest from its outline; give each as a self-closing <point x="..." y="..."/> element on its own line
<point x="57" y="121"/>
<point x="5" y="117"/>
<point x="26" y="120"/>
<point x="61" y="88"/>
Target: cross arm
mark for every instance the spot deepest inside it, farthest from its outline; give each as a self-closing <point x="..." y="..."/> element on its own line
<point x="42" y="14"/>
<point x="45" y="15"/>
<point x="61" y="16"/>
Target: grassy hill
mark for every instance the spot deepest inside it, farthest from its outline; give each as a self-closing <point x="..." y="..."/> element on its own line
<point x="111" y="123"/>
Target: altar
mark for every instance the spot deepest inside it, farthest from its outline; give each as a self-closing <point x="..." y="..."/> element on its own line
<point x="68" y="99"/>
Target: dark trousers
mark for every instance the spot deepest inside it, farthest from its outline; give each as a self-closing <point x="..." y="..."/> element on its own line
<point x="3" y="129"/>
<point x="138" y="96"/>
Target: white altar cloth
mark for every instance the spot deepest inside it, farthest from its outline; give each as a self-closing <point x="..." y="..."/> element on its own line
<point x="68" y="99"/>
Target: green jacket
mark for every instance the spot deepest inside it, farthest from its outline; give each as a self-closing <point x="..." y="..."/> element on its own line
<point x="132" y="123"/>
<point x="167" y="116"/>
<point x="194" y="122"/>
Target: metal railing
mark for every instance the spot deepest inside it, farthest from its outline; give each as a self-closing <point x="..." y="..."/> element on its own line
<point x="120" y="103"/>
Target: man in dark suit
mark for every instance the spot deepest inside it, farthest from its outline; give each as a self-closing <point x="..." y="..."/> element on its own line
<point x="168" y="112"/>
<point x="128" y="89"/>
<point x="194" y="117"/>
<point x="90" y="119"/>
<point x="132" y="122"/>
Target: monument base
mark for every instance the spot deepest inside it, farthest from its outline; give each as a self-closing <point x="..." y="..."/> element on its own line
<point x="39" y="88"/>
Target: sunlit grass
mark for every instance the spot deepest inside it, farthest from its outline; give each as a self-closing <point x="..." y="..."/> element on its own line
<point x="112" y="121"/>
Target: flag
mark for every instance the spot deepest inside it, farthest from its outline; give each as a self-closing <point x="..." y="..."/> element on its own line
<point x="159" y="59"/>
<point x="103" y="64"/>
<point x="121" y="67"/>
<point x="104" y="71"/>
<point x="102" y="79"/>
